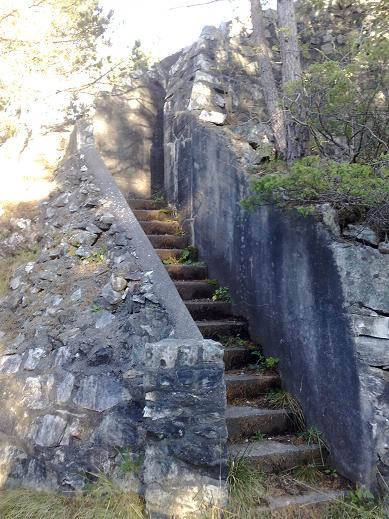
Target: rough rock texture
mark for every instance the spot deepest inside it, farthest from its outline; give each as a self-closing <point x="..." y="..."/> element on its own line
<point x="184" y="419"/>
<point x="315" y="299"/>
<point x="77" y="329"/>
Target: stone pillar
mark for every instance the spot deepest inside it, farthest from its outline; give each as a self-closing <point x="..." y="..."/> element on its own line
<point x="184" y="414"/>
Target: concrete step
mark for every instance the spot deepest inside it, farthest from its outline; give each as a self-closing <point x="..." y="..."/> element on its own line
<point x="146" y="215"/>
<point x="272" y="456"/>
<point x="168" y="241"/>
<point x="186" y="272"/>
<point x="158" y="227"/>
<point x="308" y="500"/>
<point x="166" y="254"/>
<point x="249" y="386"/>
<point x="189" y="290"/>
<point x="141" y="203"/>
<point x="237" y="357"/>
<point x="215" y="329"/>
<point x="208" y="309"/>
<point x="245" y="421"/>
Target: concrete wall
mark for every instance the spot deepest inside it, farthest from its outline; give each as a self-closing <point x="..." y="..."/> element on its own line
<point x="128" y="132"/>
<point x="314" y="299"/>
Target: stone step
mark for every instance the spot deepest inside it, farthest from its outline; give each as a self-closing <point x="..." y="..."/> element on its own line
<point x="237" y="357"/>
<point x="146" y="215"/>
<point x="186" y="272"/>
<point x="189" y="290"/>
<point x="168" y="241"/>
<point x="249" y="386"/>
<point x="245" y="421"/>
<point x="166" y="254"/>
<point x="272" y="456"/>
<point x="158" y="227"/>
<point x="142" y="203"/>
<point x="215" y="329"/>
<point x="208" y="309"/>
<point x="309" y="500"/>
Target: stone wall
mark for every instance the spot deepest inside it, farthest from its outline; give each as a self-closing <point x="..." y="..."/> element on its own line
<point x="315" y="298"/>
<point x="79" y="335"/>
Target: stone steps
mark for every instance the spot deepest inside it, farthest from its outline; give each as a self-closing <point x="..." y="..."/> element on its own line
<point x="216" y="329"/>
<point x="187" y="272"/>
<point x="215" y="321"/>
<point x="141" y="203"/>
<point x="159" y="227"/>
<point x="249" y="386"/>
<point x="168" y="241"/>
<point x="274" y="456"/>
<point x="309" y="500"/>
<point x="237" y="357"/>
<point x="244" y="422"/>
<point x="166" y="254"/>
<point x="190" y="290"/>
<point x="146" y="215"/>
<point x="208" y="309"/>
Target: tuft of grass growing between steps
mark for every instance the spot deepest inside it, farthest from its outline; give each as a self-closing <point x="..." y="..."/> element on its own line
<point x="246" y="489"/>
<point x="104" y="500"/>
<point x="281" y="399"/>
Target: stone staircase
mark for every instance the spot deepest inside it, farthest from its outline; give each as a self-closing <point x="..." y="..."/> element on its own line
<point x="279" y="449"/>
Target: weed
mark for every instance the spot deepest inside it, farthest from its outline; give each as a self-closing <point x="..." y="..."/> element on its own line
<point x="103" y="500"/>
<point x="96" y="308"/>
<point x="265" y="363"/>
<point x="308" y="472"/>
<point x="131" y="464"/>
<point x="189" y="255"/>
<point x="259" y="437"/>
<point x="158" y="198"/>
<point x="180" y="232"/>
<point x="314" y="437"/>
<point x="171" y="260"/>
<point x="99" y="256"/>
<point x="222" y="294"/>
<point x="280" y="398"/>
<point x="245" y="486"/>
<point x="234" y="342"/>
<point x="359" y="504"/>
<point x="168" y="211"/>
<point x="212" y="282"/>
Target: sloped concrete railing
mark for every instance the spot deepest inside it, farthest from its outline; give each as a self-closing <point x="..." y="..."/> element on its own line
<point x="183" y="381"/>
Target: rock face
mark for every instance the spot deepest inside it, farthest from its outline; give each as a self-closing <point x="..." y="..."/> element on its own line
<point x="316" y="299"/>
<point x="77" y="333"/>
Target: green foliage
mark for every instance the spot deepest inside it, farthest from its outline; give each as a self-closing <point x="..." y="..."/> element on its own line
<point x="359" y="504"/>
<point x="189" y="255"/>
<point x="212" y="282"/>
<point x="222" y="294"/>
<point x="308" y="472"/>
<point x="131" y="464"/>
<point x="265" y="363"/>
<point x="259" y="437"/>
<point x="350" y="188"/>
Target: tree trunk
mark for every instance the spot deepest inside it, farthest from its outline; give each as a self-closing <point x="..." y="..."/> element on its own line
<point x="296" y="134"/>
<point x="269" y="86"/>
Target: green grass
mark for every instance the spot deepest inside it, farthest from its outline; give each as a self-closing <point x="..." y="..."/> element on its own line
<point x="279" y="398"/>
<point x="314" y="437"/>
<point x="104" y="500"/>
<point x="360" y="504"/>
<point x="246" y="488"/>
